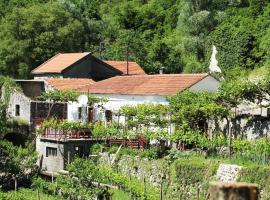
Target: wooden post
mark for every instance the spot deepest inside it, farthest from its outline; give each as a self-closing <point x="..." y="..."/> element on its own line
<point x="184" y="195"/>
<point x="161" y="188"/>
<point x="38" y="194"/>
<point x="68" y="157"/>
<point x="15" y="185"/>
<point x="198" y="193"/>
<point x="129" y="182"/>
<point x="144" y="187"/>
<point x="118" y="121"/>
<point x="180" y="195"/>
<point x="229" y="134"/>
<point x="233" y="190"/>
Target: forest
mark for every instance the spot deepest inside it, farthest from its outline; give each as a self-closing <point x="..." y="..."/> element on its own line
<point x="177" y="34"/>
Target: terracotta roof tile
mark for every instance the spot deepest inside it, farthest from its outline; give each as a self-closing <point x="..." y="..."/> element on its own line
<point x="165" y="84"/>
<point x="133" y="67"/>
<point x="58" y="63"/>
<point x="68" y="83"/>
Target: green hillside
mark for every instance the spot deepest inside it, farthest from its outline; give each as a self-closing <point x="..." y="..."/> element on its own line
<point x="175" y="34"/>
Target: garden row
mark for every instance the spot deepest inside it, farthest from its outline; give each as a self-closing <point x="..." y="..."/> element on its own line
<point x="257" y="150"/>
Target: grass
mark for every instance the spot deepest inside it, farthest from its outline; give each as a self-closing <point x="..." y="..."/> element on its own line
<point x="244" y="161"/>
<point x="26" y="194"/>
<point x="118" y="194"/>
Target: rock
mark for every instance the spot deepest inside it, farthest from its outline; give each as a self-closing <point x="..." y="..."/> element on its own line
<point x="228" y="172"/>
<point x="233" y="191"/>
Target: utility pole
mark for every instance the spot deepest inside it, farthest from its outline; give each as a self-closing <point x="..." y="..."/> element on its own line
<point x="127" y="56"/>
<point x="101" y="48"/>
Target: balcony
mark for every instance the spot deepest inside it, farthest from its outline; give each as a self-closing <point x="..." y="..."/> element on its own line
<point x="52" y="133"/>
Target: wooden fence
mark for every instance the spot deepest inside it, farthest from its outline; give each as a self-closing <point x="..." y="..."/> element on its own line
<point x="135" y="143"/>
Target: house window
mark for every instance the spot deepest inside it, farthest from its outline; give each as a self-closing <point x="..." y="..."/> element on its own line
<point x="50" y="151"/>
<point x="80" y="113"/>
<point x="108" y="115"/>
<point x="17" y="110"/>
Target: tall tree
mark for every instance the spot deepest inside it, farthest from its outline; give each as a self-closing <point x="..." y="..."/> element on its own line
<point x="30" y="36"/>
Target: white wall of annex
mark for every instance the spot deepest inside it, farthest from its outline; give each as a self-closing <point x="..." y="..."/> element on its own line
<point x="209" y="84"/>
<point x="115" y="102"/>
<point x="73" y="111"/>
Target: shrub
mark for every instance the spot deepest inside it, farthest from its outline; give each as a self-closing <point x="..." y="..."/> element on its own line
<point x="151" y="153"/>
<point x="113" y="149"/>
<point x="195" y="170"/>
<point x="96" y="148"/>
<point x="17" y="121"/>
<point x="129" y="151"/>
<point x="26" y="194"/>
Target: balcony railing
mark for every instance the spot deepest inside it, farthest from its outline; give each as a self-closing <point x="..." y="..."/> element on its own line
<point x="135" y="143"/>
<point x="66" y="134"/>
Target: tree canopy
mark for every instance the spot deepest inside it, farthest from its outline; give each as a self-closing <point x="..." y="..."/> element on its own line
<point x="176" y="35"/>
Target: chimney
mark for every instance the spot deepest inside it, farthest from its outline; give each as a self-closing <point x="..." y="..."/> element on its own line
<point x="161" y="70"/>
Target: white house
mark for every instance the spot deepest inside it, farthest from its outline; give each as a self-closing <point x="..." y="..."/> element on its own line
<point x="139" y="89"/>
<point x="119" y="91"/>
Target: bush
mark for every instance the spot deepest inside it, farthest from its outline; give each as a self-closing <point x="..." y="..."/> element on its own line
<point x="26" y="194"/>
<point x="257" y="174"/>
<point x="151" y="153"/>
<point x="195" y="170"/>
<point x="113" y="149"/>
<point x="129" y="151"/>
<point x="176" y="154"/>
<point x="96" y="148"/>
<point x="17" y="121"/>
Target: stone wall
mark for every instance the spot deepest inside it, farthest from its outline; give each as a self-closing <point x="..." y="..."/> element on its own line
<point x="17" y="98"/>
<point x="151" y="170"/>
<point x="250" y="127"/>
<point x="228" y="172"/>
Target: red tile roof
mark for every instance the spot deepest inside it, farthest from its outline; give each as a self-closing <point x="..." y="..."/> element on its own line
<point x="68" y="83"/>
<point x="133" y="67"/>
<point x="59" y="62"/>
<point x="163" y="85"/>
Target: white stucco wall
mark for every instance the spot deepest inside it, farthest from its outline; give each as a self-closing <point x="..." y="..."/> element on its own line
<point x="115" y="102"/>
<point x="251" y="109"/>
<point x="45" y="76"/>
<point x="73" y="111"/>
<point x="208" y="84"/>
